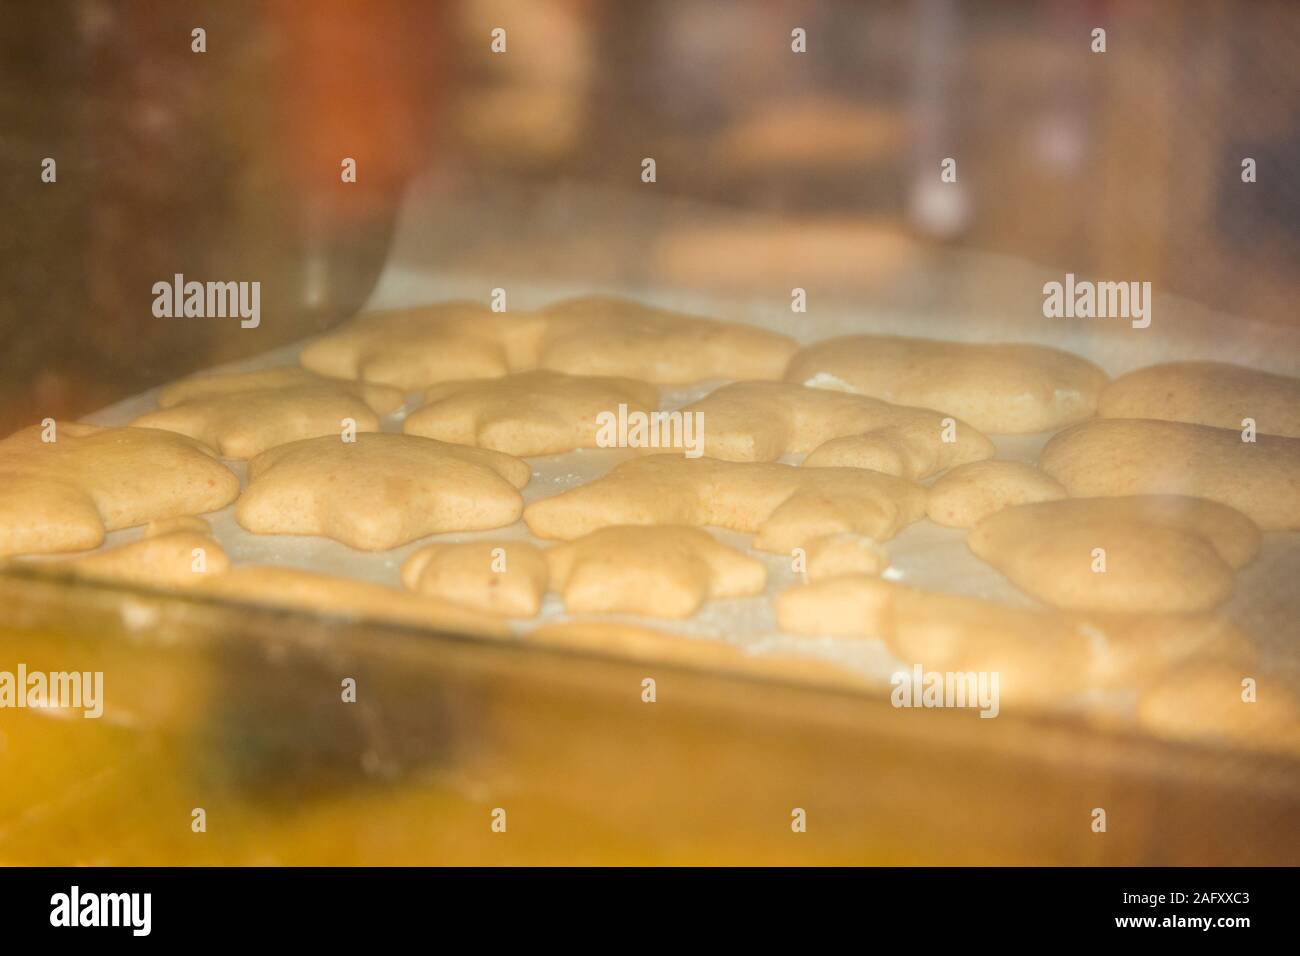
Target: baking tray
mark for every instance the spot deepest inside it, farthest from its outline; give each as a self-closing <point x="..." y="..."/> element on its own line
<point x="238" y="706"/>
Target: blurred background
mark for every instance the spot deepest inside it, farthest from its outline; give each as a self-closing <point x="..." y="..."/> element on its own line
<point x="225" y="164"/>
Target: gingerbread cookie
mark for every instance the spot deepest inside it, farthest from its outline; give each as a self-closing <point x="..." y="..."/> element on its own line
<point x="1225" y="702"/>
<point x="1040" y="657"/>
<point x="999" y="389"/>
<point x="597" y="335"/>
<point x="1137" y="554"/>
<point x="381" y="490"/>
<point x="783" y="506"/>
<point x="191" y="523"/>
<point x="244" y="414"/>
<point x="1207" y="393"/>
<point x="382" y="398"/>
<point x="1127" y="456"/>
<point x="65" y="494"/>
<point x="500" y="577"/>
<point x="529" y="413"/>
<point x="763" y="421"/>
<point x="969" y="493"/>
<point x="174" y="559"/>
<point x="655" y="571"/>
<point x="414" y="348"/>
<point x="603" y="335"/>
<point x="833" y="555"/>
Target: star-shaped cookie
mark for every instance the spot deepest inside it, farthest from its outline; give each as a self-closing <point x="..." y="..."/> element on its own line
<point x="243" y="414"/>
<point x="763" y="421"/>
<point x="604" y="335"/>
<point x="380" y="491"/>
<point x="655" y="571"/>
<point x="65" y="494"/>
<point x="597" y="335"/>
<point x="783" y="506"/>
<point x="529" y="413"/>
<point x="999" y="388"/>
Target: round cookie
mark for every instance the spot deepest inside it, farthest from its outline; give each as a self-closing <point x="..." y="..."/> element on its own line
<point x="1206" y="393"/>
<point x="1128" y="456"/>
<point x="1135" y="554"/>
<point x="997" y="388"/>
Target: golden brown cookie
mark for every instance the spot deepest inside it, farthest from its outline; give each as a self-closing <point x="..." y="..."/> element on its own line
<point x="180" y="523"/>
<point x="64" y="495"/>
<point x="1206" y="393"/>
<point x="414" y="348"/>
<point x="655" y="571"/>
<point x="597" y="335"/>
<point x="175" y="559"/>
<point x="603" y="335"/>
<point x="783" y="506"/>
<point x="763" y="421"/>
<point x="969" y="493"/>
<point x="833" y="555"/>
<point x="528" y="413"/>
<point x="496" y="576"/>
<point x="380" y="491"/>
<point x="997" y="388"/>
<point x="1127" y="456"/>
<point x="1208" y="701"/>
<point x="243" y="414"/>
<point x="1041" y="656"/>
<point x="1150" y="553"/>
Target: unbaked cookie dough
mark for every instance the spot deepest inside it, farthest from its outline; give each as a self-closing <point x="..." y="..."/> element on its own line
<point x="1206" y="393"/>
<point x="380" y="491"/>
<point x="1127" y="456"/>
<point x="243" y="414"/>
<point x="783" y="506"/>
<point x="1134" y="554"/>
<point x="969" y="493"/>
<point x="65" y="494"/>
<point x="528" y="413"/>
<point x="655" y="571"/>
<point x="764" y="421"/>
<point x="496" y="576"/>
<point x="997" y="388"/>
